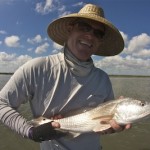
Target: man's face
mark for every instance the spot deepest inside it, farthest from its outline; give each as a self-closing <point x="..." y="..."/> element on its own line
<point x="85" y="38"/>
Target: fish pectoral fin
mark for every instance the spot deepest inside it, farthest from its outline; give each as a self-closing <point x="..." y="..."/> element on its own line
<point x="71" y="135"/>
<point x="103" y="118"/>
<point x="101" y="127"/>
<point x="103" y="123"/>
<point x="75" y="134"/>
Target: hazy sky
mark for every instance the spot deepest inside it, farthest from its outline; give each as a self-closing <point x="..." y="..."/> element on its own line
<point x="23" y="32"/>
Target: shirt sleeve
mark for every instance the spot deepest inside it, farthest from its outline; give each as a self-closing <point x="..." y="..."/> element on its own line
<point x="13" y="94"/>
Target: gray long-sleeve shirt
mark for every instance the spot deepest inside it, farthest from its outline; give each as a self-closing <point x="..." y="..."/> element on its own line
<point x="52" y="89"/>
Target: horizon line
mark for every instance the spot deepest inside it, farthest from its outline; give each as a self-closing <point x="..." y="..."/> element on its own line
<point x="111" y="75"/>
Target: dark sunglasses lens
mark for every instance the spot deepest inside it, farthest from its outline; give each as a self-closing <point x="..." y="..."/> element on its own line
<point x="98" y="33"/>
<point x="87" y="28"/>
<point x="84" y="26"/>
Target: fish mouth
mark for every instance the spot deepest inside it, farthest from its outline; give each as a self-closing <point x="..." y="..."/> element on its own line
<point x="143" y="116"/>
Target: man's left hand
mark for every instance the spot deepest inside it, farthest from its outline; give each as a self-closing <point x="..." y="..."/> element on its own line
<point x="115" y="127"/>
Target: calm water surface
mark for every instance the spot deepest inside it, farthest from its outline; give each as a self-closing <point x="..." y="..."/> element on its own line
<point x="137" y="138"/>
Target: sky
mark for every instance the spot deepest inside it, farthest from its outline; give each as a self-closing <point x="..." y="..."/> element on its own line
<point x="23" y="32"/>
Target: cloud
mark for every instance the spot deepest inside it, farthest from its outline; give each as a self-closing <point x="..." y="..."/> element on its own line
<point x="18" y="23"/>
<point x="44" y="7"/>
<point x="124" y="65"/>
<point x="124" y="62"/>
<point x="79" y="4"/>
<point x="11" y="2"/>
<point x="42" y="48"/>
<point x="144" y="53"/>
<point x="6" y="57"/>
<point x="7" y="1"/>
<point x="51" y="5"/>
<point x="125" y="37"/>
<point x="29" y="49"/>
<point x="23" y="58"/>
<point x="12" y="41"/>
<point x="62" y="11"/>
<point x="36" y="39"/>
<point x="138" y="43"/>
<point x="10" y="62"/>
<point x="3" y="32"/>
<point x="56" y="47"/>
<point x="135" y="59"/>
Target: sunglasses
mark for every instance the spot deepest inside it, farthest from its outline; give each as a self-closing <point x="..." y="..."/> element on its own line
<point x="85" y="27"/>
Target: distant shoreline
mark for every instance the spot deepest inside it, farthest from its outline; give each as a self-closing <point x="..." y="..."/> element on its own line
<point x="6" y="73"/>
<point x="123" y="76"/>
<point x="130" y="76"/>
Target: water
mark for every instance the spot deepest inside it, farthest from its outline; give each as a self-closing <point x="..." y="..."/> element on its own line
<point x="136" y="138"/>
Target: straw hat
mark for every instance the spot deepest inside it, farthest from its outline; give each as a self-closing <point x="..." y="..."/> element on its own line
<point x="112" y="43"/>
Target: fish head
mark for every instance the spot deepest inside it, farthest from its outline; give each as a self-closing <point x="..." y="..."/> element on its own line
<point x="40" y="121"/>
<point x="131" y="110"/>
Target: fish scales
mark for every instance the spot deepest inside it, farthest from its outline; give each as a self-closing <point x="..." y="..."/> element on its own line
<point x="77" y="123"/>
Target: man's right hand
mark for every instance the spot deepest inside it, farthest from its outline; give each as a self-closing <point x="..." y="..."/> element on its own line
<point x="45" y="132"/>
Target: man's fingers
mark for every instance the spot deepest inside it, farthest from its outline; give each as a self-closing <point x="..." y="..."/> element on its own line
<point x="56" y="117"/>
<point x="121" y="97"/>
<point x="118" y="127"/>
<point x="115" y="126"/>
<point x="55" y="124"/>
<point x="128" y="126"/>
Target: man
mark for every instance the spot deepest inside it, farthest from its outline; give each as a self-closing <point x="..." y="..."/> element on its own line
<point x="55" y="85"/>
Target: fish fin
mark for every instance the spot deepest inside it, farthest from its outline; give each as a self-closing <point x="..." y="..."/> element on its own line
<point x="101" y="127"/>
<point x="103" y="118"/>
<point x="105" y="109"/>
<point x="74" y="134"/>
<point x="103" y="123"/>
<point x="71" y="135"/>
<point x="68" y="134"/>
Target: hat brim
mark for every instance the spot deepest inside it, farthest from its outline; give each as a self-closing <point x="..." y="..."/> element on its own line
<point x="112" y="43"/>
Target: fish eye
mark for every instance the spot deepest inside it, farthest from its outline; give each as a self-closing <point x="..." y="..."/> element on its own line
<point x="142" y="104"/>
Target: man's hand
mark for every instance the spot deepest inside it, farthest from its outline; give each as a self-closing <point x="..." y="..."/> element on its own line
<point x="45" y="132"/>
<point x="55" y="124"/>
<point x="118" y="128"/>
<point x="115" y="127"/>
